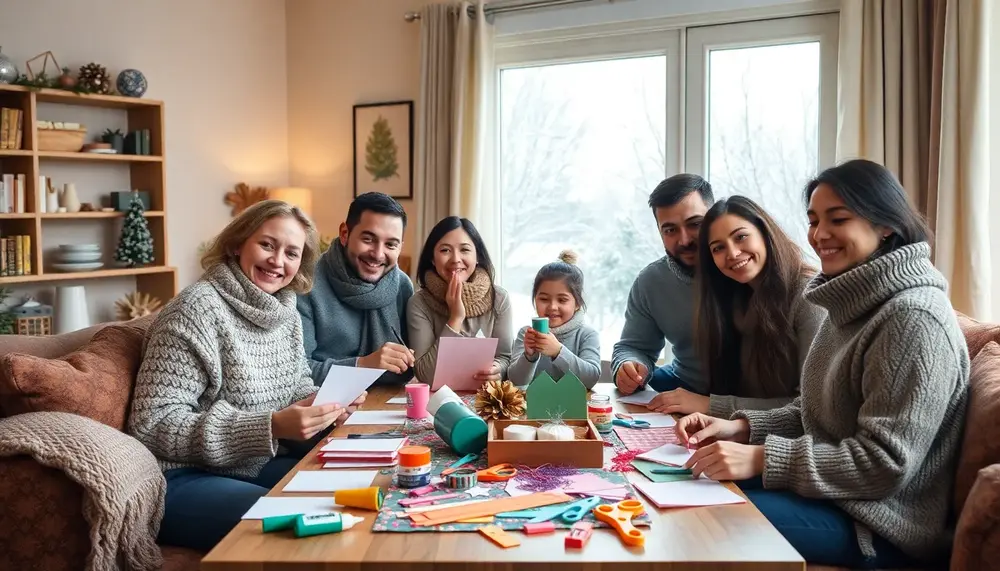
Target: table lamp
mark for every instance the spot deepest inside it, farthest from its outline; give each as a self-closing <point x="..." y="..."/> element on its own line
<point x="296" y="196"/>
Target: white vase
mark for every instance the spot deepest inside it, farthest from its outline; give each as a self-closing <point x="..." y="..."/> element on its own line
<point x="71" y="309"/>
<point x="70" y="200"/>
<point x="51" y="201"/>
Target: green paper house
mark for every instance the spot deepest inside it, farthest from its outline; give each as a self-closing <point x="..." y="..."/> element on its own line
<point x="547" y="398"/>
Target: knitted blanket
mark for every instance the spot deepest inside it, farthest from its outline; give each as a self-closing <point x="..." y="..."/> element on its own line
<point x="123" y="487"/>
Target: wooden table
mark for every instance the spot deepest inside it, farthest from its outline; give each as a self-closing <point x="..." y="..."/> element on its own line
<point x="722" y="537"/>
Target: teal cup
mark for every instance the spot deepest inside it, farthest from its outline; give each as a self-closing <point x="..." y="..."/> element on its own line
<point x="540" y="324"/>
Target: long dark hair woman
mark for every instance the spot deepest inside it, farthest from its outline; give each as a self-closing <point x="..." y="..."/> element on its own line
<point x="858" y="471"/>
<point x="457" y="298"/>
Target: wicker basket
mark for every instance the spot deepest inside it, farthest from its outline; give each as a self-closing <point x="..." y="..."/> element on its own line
<point x="66" y="140"/>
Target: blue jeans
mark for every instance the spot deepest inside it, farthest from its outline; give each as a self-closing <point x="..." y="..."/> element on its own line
<point x="665" y="379"/>
<point x="820" y="531"/>
<point x="201" y="507"/>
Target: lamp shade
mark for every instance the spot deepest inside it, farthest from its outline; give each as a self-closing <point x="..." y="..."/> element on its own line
<point x="296" y="196"/>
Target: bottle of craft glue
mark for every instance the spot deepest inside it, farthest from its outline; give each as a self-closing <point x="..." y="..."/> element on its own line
<point x="320" y="523"/>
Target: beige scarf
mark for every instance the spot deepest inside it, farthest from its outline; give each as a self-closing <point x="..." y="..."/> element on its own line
<point x="124" y="489"/>
<point x="477" y="293"/>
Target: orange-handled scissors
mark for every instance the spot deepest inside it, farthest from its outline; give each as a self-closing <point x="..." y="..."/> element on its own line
<point x="498" y="473"/>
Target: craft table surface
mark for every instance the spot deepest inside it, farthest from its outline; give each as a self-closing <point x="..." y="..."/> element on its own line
<point x="735" y="537"/>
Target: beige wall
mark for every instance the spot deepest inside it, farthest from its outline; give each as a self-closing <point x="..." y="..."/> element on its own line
<point x="220" y="68"/>
<point x="341" y="53"/>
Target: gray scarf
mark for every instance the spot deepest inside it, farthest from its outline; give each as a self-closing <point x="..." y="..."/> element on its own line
<point x="244" y="297"/>
<point x="569" y="327"/>
<point x="377" y="300"/>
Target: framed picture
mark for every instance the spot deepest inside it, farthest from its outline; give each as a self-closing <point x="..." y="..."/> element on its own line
<point x="383" y="148"/>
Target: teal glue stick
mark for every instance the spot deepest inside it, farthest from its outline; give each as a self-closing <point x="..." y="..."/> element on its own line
<point x="279" y="522"/>
<point x="320" y="523"/>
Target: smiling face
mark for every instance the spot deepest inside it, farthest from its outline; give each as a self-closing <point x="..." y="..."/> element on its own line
<point x="453" y="253"/>
<point x="271" y="256"/>
<point x="373" y="245"/>
<point x="840" y="237"/>
<point x="679" y="225"/>
<point x="738" y="248"/>
<point x="555" y="301"/>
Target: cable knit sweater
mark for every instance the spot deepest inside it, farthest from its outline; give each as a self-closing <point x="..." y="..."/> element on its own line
<point x="217" y="361"/>
<point x="879" y="423"/>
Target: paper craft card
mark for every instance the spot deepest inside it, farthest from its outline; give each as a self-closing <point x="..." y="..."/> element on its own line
<point x="640" y="398"/>
<point x="333" y="464"/>
<point x="460" y="358"/>
<point x="688" y="493"/>
<point x="277" y="506"/>
<point x="548" y="399"/>
<point x="344" y="384"/>
<point x="396" y="400"/>
<point x="387" y="417"/>
<point x="329" y="480"/>
<point x="363" y="444"/>
<point x="669" y="454"/>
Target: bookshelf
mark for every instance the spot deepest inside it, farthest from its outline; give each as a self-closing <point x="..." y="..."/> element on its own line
<point x="145" y="172"/>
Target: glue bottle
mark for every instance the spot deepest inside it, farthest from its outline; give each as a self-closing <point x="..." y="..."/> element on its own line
<point x="320" y="523"/>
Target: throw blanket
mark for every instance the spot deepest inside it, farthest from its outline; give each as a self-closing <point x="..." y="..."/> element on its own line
<point x="123" y="487"/>
<point x="377" y="300"/>
<point x="477" y="293"/>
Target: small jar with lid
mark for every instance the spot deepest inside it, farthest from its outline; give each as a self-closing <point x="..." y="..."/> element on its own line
<point x="414" y="468"/>
<point x="600" y="412"/>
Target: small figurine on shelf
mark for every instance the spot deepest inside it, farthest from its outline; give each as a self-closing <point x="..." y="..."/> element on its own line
<point x="135" y="247"/>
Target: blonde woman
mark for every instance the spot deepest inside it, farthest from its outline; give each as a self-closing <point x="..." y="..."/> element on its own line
<point x="224" y="375"/>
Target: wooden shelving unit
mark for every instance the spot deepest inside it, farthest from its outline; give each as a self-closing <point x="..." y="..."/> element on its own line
<point x="146" y="172"/>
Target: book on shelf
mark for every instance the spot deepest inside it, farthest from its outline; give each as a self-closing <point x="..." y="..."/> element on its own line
<point x="11" y="132"/>
<point x="15" y="256"/>
<point x="13" y="189"/>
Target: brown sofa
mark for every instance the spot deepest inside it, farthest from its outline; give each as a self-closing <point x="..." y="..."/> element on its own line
<point x="91" y="372"/>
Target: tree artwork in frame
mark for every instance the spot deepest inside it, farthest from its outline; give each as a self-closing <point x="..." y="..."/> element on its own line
<point x="383" y="148"/>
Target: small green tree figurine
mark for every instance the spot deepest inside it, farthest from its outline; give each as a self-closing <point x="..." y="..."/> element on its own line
<point x="135" y="247"/>
<point x="380" y="151"/>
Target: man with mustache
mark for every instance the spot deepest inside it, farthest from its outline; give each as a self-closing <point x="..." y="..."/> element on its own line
<point x="662" y="299"/>
<point x="355" y="314"/>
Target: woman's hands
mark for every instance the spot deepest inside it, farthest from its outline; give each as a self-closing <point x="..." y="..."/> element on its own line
<point x="301" y="420"/>
<point x="722" y="450"/>
<point x="491" y="374"/>
<point x="456" y="307"/>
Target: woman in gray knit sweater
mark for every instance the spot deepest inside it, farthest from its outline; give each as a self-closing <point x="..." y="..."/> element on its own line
<point x="224" y="376"/>
<point x="858" y="470"/>
<point x="753" y="327"/>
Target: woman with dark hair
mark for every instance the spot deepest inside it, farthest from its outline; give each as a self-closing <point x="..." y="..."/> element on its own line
<point x="858" y="470"/>
<point x="753" y="328"/>
<point x="457" y="298"/>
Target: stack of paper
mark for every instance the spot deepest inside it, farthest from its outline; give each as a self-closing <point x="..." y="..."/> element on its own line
<point x="592" y="485"/>
<point x="640" y="398"/>
<point x="361" y="452"/>
<point x="688" y="493"/>
<point x="320" y="481"/>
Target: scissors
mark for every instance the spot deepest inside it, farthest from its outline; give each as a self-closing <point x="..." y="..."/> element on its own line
<point x="498" y="473"/>
<point x="631" y="423"/>
<point x="467" y="459"/>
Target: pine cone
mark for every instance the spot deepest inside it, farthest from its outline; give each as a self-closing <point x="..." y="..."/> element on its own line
<point x="94" y="78"/>
<point x="498" y="400"/>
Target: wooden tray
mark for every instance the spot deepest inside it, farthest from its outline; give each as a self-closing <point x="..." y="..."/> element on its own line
<point x="584" y="452"/>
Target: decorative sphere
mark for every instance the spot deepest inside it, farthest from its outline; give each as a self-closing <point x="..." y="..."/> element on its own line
<point x="8" y="71"/>
<point x="131" y="82"/>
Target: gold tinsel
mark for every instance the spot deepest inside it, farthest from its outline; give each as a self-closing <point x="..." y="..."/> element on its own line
<point x="498" y="400"/>
<point x="135" y="305"/>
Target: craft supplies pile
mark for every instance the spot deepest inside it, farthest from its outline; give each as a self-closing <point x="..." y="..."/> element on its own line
<point x="444" y="469"/>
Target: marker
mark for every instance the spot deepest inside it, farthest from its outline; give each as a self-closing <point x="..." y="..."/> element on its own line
<point x="376" y="435"/>
<point x="672" y="470"/>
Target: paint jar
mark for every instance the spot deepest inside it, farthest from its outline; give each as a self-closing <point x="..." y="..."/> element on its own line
<point x="600" y="413"/>
<point x="414" y="468"/>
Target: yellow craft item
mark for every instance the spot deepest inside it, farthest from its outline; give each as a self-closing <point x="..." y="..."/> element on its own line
<point x="364" y="498"/>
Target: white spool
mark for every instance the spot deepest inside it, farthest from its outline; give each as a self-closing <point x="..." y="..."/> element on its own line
<point x="519" y="432"/>
<point x="556" y="432"/>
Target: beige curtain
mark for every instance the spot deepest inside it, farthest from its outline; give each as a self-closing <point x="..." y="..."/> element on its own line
<point x="912" y="95"/>
<point x="455" y="124"/>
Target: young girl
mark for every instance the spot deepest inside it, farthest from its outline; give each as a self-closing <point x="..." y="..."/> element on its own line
<point x="457" y="298"/>
<point x="753" y="327"/>
<point x="858" y="471"/>
<point x="570" y="345"/>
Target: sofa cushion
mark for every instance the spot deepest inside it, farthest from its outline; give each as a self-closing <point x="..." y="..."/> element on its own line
<point x="977" y="334"/>
<point x="977" y="536"/>
<point x="95" y="381"/>
<point x="981" y="441"/>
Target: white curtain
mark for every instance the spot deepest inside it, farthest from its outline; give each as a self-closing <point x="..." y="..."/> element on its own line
<point x="913" y="95"/>
<point x="457" y="120"/>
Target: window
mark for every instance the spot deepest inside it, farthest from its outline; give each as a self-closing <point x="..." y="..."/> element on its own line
<point x="588" y="127"/>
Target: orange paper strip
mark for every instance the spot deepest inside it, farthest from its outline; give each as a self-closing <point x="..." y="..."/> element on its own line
<point x="497" y="535"/>
<point x="491" y="507"/>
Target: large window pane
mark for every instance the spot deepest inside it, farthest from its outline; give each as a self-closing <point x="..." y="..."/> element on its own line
<point x="763" y="124"/>
<point x="582" y="146"/>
